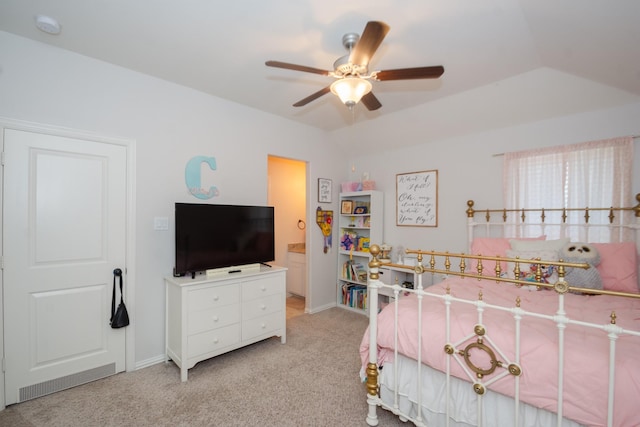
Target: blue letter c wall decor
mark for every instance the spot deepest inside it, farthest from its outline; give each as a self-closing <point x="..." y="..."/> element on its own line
<point x="193" y="178"/>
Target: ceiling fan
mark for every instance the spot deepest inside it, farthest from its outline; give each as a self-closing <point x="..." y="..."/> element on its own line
<point x="352" y="70"/>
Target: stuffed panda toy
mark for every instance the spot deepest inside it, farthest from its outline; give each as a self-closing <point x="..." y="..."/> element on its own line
<point x="582" y="253"/>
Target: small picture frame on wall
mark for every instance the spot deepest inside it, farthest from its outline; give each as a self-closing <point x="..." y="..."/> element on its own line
<point x="346" y="208"/>
<point x="324" y="190"/>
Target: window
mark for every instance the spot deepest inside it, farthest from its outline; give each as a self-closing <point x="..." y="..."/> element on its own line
<point x="590" y="174"/>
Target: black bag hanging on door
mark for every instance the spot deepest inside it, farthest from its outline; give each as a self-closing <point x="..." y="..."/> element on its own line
<point x="119" y="317"/>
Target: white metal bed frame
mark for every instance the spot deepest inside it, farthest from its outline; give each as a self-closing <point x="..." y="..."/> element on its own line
<point x="440" y="264"/>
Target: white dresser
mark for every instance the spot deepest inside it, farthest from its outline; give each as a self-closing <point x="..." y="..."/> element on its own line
<point x="208" y="316"/>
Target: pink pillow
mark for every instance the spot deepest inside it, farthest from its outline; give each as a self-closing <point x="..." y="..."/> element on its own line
<point x="618" y="266"/>
<point x="493" y="246"/>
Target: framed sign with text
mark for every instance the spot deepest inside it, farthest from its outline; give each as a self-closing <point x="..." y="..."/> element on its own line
<point x="417" y="199"/>
<point x="324" y="190"/>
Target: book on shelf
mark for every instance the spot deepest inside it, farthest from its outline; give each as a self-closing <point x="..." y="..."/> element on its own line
<point x="354" y="296"/>
<point x="346" y="270"/>
<point x="354" y="271"/>
<point x="360" y="272"/>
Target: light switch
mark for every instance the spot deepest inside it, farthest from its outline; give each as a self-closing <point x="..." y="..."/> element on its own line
<point x="161" y="223"/>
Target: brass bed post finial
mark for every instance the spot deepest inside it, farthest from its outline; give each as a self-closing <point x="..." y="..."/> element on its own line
<point x="611" y="215"/>
<point x="470" y="211"/>
<point x="564" y="215"/>
<point x="636" y="208"/>
<point x="374" y="250"/>
<point x="487" y="216"/>
<point x="542" y="215"/>
<point x="586" y="215"/>
<point x="522" y="215"/>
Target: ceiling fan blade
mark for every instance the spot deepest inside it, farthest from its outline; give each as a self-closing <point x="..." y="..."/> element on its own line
<point x="409" y="73"/>
<point x="295" y="67"/>
<point x="373" y="34"/>
<point x="371" y="102"/>
<point x="312" y="97"/>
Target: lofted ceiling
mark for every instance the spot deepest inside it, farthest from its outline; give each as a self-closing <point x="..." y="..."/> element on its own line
<point x="220" y="48"/>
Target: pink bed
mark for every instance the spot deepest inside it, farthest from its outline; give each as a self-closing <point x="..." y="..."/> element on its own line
<point x="588" y="349"/>
<point x="494" y="351"/>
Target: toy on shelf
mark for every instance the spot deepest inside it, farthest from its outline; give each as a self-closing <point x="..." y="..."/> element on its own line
<point x="386" y="250"/>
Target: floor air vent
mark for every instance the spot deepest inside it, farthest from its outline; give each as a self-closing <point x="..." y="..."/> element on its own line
<point x="62" y="383"/>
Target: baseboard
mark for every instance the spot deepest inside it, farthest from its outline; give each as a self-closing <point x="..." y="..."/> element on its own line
<point x="150" y="362"/>
<point x="322" y="308"/>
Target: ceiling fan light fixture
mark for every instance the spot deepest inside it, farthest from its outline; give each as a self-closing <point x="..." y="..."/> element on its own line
<point x="351" y="89"/>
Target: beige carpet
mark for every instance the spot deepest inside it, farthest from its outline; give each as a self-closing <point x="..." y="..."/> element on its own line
<point x="312" y="380"/>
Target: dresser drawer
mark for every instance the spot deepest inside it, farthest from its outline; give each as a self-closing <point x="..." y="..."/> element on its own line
<point x="262" y="325"/>
<point x="214" y="296"/>
<point x="261" y="287"/>
<point x="214" y="340"/>
<point x="212" y="318"/>
<point x="260" y="307"/>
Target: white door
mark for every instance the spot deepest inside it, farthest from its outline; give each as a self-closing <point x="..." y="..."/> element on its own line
<point x="64" y="217"/>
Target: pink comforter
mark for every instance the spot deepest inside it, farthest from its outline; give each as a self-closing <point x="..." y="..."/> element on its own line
<point x="586" y="349"/>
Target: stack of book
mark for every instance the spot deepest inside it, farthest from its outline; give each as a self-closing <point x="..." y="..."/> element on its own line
<point x="354" y="296"/>
<point x="354" y="271"/>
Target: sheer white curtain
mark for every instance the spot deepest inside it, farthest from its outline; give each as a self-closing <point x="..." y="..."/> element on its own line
<point x="591" y="174"/>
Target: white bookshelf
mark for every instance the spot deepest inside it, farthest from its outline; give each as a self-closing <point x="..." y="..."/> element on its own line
<point x="362" y="229"/>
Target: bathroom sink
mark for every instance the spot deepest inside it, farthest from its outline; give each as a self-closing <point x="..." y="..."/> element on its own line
<point x="296" y="247"/>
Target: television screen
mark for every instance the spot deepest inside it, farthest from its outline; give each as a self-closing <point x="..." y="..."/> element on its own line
<point x="215" y="236"/>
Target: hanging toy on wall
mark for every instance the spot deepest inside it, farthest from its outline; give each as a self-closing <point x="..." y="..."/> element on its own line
<point x="324" y="219"/>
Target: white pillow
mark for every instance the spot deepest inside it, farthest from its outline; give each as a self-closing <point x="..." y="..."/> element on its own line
<point x="538" y="245"/>
<point x="528" y="270"/>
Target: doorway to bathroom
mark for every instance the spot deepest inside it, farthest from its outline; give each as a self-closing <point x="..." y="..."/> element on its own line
<point x="287" y="192"/>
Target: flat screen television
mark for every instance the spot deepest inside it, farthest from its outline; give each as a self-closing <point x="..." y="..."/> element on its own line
<point x="212" y="236"/>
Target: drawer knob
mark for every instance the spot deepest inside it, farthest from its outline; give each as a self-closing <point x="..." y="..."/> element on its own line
<point x="215" y="340"/>
<point x="216" y="298"/>
<point x="263" y="288"/>
<point x="264" y="307"/>
<point x="216" y="318"/>
<point x="263" y="326"/>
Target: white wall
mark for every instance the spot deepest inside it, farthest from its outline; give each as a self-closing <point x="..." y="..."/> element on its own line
<point x="468" y="167"/>
<point x="170" y="125"/>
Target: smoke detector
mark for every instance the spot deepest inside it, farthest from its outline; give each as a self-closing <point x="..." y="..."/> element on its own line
<point x="47" y="24"/>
